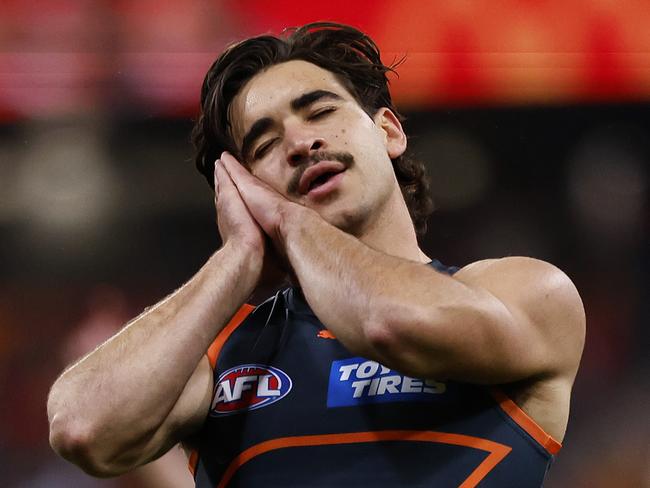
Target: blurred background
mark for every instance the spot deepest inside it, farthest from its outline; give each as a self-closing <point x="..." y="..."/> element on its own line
<point x="532" y="115"/>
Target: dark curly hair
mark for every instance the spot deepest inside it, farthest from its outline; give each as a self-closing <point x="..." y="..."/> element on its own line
<point x="345" y="51"/>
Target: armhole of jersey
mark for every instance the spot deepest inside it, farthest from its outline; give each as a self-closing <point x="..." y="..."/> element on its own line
<point x="193" y="461"/>
<point x="443" y="268"/>
<point x="523" y="420"/>
<point x="213" y="356"/>
<point x="509" y="407"/>
<point x="222" y="337"/>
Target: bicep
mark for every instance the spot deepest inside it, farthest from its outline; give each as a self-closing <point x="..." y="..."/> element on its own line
<point x="510" y="319"/>
<point x="538" y="325"/>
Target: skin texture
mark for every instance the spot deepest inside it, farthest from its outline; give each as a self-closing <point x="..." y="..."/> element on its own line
<point x="515" y="321"/>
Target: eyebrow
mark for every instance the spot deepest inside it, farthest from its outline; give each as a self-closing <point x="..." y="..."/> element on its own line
<point x="297" y="104"/>
<point x="308" y="98"/>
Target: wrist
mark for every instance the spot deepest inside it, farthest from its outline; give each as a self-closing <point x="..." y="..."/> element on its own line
<point x="244" y="257"/>
<point x="292" y="217"/>
<point x="244" y="251"/>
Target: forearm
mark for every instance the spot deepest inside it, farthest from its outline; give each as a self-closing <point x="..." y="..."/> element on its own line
<point x="352" y="288"/>
<point x="399" y="312"/>
<point x="420" y="322"/>
<point x="124" y="390"/>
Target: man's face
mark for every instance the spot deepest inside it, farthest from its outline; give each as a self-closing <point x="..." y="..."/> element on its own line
<point x="299" y="130"/>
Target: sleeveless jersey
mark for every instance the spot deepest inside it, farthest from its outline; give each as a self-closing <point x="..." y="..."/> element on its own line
<point x="293" y="408"/>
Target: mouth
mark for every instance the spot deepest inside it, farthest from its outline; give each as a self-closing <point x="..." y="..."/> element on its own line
<point x="318" y="175"/>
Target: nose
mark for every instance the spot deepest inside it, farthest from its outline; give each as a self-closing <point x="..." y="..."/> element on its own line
<point x="301" y="148"/>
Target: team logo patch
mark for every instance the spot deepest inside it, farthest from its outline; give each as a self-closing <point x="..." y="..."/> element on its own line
<point x="249" y="387"/>
<point x="358" y="381"/>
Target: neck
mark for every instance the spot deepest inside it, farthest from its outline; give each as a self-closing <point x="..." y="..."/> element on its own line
<point x="391" y="230"/>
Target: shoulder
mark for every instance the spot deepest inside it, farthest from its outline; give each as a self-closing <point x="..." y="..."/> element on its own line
<point x="541" y="295"/>
<point x="541" y="284"/>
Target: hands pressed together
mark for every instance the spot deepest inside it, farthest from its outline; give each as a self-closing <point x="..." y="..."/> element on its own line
<point x="250" y="213"/>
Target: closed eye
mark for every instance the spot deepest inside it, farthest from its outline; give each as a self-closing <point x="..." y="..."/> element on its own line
<point x="321" y="113"/>
<point x="263" y="149"/>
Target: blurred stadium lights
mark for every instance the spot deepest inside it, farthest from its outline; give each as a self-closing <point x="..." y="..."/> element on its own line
<point x="70" y="56"/>
<point x="165" y="82"/>
<point x="64" y="186"/>
<point x="49" y="84"/>
<point x="74" y="57"/>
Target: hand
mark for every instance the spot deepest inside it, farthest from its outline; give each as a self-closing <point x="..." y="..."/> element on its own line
<point x="275" y="268"/>
<point x="265" y="205"/>
<point x="233" y="218"/>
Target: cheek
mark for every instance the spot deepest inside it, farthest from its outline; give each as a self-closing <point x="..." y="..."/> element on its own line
<point x="352" y="127"/>
<point x="369" y="145"/>
<point x="263" y="174"/>
<point x="375" y="163"/>
<point x="271" y="177"/>
<point x="365" y="135"/>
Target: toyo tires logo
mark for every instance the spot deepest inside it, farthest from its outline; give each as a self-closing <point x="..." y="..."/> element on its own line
<point x="249" y="387"/>
<point x="357" y="381"/>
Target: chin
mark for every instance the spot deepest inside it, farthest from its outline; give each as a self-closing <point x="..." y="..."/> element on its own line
<point x="350" y="221"/>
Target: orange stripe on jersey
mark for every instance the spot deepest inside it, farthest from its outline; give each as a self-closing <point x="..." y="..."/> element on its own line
<point x="525" y="422"/>
<point x="222" y="337"/>
<point x="497" y="451"/>
<point x="194" y="459"/>
<point x="213" y="355"/>
<point x="325" y="334"/>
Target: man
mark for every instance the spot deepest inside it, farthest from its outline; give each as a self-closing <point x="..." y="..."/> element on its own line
<point x="378" y="366"/>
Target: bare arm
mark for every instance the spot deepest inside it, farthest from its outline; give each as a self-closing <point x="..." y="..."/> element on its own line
<point x="493" y="322"/>
<point x="169" y="471"/>
<point x="149" y="386"/>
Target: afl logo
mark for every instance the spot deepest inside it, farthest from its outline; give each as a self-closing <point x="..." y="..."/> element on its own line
<point x="249" y="387"/>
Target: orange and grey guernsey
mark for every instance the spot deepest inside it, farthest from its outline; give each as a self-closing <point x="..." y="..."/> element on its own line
<point x="292" y="407"/>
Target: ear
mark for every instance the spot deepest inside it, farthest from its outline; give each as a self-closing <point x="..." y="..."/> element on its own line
<point x="394" y="136"/>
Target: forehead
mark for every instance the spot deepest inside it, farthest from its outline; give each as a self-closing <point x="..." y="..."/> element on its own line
<point x="273" y="89"/>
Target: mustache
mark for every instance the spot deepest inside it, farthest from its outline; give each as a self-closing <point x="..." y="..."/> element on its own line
<point x="343" y="157"/>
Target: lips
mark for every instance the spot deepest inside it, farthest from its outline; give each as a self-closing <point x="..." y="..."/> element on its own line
<point x="318" y="174"/>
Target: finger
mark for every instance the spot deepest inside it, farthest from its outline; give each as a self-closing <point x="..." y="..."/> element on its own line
<point x="228" y="159"/>
<point x="227" y="189"/>
<point x="242" y="180"/>
<point x="235" y="169"/>
<point x="247" y="184"/>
